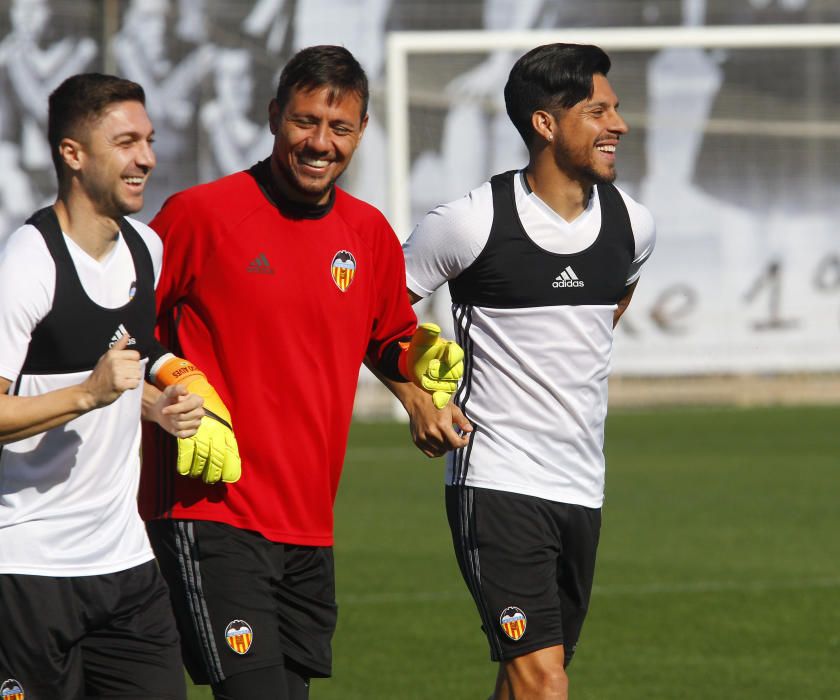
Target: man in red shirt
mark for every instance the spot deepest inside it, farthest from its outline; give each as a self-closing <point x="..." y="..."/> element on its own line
<point x="278" y="284"/>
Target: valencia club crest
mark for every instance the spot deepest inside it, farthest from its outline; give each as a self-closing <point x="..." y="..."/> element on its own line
<point x="11" y="690"/>
<point x="239" y="635"/>
<point x="343" y="269"/>
<point x="513" y="622"/>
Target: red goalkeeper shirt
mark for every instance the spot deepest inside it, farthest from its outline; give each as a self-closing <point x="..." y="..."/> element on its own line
<point x="279" y="309"/>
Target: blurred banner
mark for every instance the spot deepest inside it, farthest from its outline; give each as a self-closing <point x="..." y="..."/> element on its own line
<point x="736" y="152"/>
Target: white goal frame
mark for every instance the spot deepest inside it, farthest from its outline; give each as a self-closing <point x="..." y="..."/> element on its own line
<point x="402" y="44"/>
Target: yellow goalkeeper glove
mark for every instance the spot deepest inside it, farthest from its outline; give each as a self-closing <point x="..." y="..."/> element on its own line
<point x="212" y="453"/>
<point x="432" y="363"/>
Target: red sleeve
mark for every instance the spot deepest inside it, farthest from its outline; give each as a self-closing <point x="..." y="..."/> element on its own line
<point x="183" y="251"/>
<point x="394" y="320"/>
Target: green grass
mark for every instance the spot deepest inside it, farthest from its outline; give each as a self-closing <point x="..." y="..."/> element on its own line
<point x="718" y="572"/>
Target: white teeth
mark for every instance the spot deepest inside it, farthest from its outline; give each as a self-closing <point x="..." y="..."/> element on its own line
<point x="134" y="180"/>
<point x="606" y="149"/>
<point x="315" y="163"/>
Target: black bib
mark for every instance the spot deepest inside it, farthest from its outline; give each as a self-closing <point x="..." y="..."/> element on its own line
<point x="514" y="272"/>
<point x="76" y="332"/>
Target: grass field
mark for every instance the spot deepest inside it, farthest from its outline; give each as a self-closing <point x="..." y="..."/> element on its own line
<point x="718" y="572"/>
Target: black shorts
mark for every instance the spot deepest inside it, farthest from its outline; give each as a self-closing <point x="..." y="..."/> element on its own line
<point x="528" y="563"/>
<point x="243" y="602"/>
<point x="112" y="636"/>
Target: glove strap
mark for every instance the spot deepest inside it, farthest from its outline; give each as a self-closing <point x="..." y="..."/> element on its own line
<point x="177" y="370"/>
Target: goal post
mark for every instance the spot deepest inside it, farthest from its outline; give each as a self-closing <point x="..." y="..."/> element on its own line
<point x="734" y="147"/>
<point x="401" y="45"/>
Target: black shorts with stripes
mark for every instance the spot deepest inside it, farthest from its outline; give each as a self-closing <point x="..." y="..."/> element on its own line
<point x="73" y="637"/>
<point x="243" y="602"/>
<point x="528" y="563"/>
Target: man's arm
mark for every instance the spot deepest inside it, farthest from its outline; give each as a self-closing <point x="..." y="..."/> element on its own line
<point x="624" y="302"/>
<point x="209" y="452"/>
<point x="118" y="370"/>
<point x="432" y="429"/>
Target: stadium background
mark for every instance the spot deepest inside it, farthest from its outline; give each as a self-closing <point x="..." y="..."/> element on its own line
<point x="719" y="566"/>
<point x="735" y="151"/>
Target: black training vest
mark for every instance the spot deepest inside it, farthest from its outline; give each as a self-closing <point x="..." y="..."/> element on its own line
<point x="514" y="272"/>
<point x="77" y="332"/>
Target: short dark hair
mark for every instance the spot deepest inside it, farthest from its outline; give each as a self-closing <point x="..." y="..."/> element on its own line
<point x="551" y="77"/>
<point x="323" y="66"/>
<point x="82" y="99"/>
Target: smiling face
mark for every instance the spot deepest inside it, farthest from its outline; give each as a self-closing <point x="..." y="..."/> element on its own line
<point x="315" y="136"/>
<point x="587" y="135"/>
<point x="115" y="159"/>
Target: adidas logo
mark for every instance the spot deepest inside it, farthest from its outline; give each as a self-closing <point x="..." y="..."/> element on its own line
<point x="260" y="265"/>
<point x="567" y="278"/>
<point x="119" y="333"/>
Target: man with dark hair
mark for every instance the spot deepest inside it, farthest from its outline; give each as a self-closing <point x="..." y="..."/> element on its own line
<point x="80" y="100"/>
<point x="84" y="608"/>
<point x="541" y="264"/>
<point x="292" y="283"/>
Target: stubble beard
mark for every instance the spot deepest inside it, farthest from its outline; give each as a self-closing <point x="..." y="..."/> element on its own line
<point x="112" y="205"/>
<point x="583" y="172"/>
<point x="297" y="186"/>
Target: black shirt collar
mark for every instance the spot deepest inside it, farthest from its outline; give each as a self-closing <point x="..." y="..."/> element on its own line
<point x="261" y="172"/>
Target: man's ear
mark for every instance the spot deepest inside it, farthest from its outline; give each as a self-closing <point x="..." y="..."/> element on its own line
<point x="275" y="114"/>
<point x="70" y="151"/>
<point x="544" y="124"/>
<point x="362" y="127"/>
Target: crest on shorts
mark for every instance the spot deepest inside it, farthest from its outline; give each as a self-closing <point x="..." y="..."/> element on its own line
<point x="343" y="269"/>
<point x="238" y="635"/>
<point x="513" y="622"/>
<point x="11" y="690"/>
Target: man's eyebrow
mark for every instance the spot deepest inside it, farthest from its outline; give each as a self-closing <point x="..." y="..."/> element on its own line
<point x="134" y="134"/>
<point x="313" y="117"/>
<point x="601" y="103"/>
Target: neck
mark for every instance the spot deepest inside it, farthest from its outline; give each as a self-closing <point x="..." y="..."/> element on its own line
<point x="93" y="232"/>
<point x="565" y="194"/>
<point x="290" y="194"/>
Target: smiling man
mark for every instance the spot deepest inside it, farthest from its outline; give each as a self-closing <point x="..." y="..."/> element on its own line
<point x="77" y="576"/>
<point x="541" y="263"/>
<point x="280" y="284"/>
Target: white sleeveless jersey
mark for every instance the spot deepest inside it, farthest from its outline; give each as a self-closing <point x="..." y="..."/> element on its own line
<point x="533" y="302"/>
<point x="68" y="497"/>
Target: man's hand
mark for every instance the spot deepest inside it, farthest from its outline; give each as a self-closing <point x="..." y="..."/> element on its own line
<point x="117" y="371"/>
<point x="177" y="411"/>
<point x="435" y="431"/>
<point x="211" y="453"/>
<point x="432" y="363"/>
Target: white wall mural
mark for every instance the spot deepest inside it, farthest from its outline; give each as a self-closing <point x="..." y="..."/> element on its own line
<point x="736" y="152"/>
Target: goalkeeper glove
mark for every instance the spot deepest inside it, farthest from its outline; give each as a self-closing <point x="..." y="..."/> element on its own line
<point x="212" y="453"/>
<point x="431" y="363"/>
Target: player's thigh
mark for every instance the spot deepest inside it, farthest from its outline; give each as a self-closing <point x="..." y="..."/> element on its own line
<point x="509" y="548"/>
<point x="307" y="609"/>
<point x="134" y="650"/>
<point x="579" y="529"/>
<point x="271" y="683"/>
<point x="41" y="623"/>
<point x="223" y="584"/>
